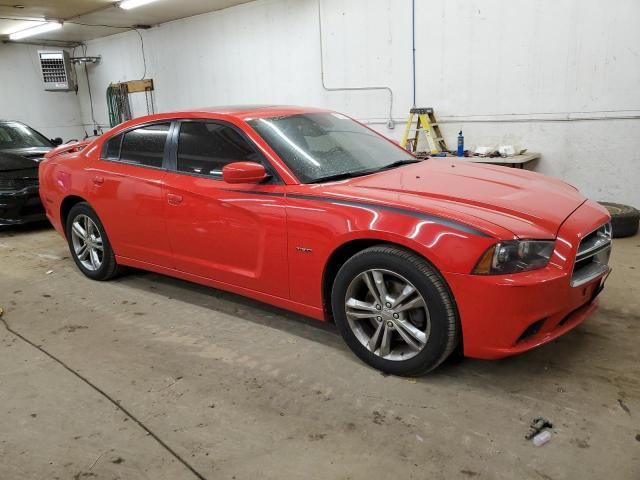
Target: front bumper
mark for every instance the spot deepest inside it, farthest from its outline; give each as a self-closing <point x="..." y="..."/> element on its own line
<point x="18" y="207"/>
<point x="505" y="315"/>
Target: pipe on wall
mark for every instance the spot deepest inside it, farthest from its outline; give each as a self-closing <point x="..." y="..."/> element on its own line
<point x="413" y="49"/>
<point x="390" y="122"/>
<point x="517" y="118"/>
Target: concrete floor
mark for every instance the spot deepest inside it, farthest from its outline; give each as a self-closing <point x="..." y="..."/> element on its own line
<point x="240" y="390"/>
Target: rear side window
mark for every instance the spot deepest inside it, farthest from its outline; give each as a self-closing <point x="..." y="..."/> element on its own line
<point x="112" y="149"/>
<point x="144" y="146"/>
<point x="204" y="148"/>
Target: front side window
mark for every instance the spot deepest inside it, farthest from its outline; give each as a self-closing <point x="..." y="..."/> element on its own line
<point x="16" y="135"/>
<point x="325" y="146"/>
<point x="204" y="148"/>
<point x="142" y="146"/>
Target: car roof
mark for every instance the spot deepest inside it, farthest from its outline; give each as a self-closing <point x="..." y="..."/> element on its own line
<point x="254" y="111"/>
<point x="260" y="111"/>
<point x="240" y="112"/>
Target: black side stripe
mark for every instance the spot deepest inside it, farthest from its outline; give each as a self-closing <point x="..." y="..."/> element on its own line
<point x="257" y="192"/>
<point x="401" y="211"/>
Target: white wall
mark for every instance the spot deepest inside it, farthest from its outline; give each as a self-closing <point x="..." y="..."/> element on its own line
<point x="560" y="77"/>
<point x="23" y="98"/>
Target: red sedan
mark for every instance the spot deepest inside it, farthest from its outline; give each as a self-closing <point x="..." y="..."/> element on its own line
<point x="311" y="211"/>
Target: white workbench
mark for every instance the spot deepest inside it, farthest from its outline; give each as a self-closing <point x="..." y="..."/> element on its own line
<point x="517" y="161"/>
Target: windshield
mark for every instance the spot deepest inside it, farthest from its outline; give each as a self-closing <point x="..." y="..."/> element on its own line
<point x="327" y="146"/>
<point x="16" y="135"/>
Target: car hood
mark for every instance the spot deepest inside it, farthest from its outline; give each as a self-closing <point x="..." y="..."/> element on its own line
<point x="11" y="162"/>
<point x="32" y="153"/>
<point x="528" y="204"/>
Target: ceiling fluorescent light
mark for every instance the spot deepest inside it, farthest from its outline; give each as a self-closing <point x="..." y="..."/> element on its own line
<point x="23" y="24"/>
<point x="129" y="4"/>
<point x="31" y="31"/>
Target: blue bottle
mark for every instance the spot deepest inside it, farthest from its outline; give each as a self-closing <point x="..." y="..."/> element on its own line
<point x="460" y="144"/>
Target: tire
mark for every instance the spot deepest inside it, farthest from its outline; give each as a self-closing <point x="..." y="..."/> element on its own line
<point x="353" y="300"/>
<point x="106" y="267"/>
<point x="624" y="219"/>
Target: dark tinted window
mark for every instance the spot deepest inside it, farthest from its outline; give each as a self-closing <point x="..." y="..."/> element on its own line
<point x="145" y="145"/>
<point x="205" y="148"/>
<point x="112" y="150"/>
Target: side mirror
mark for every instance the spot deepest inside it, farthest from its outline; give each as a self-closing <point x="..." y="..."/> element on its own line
<point x="56" y="141"/>
<point x="244" y="172"/>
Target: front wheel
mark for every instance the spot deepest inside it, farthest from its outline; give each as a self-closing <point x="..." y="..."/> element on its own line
<point x="88" y="243"/>
<point x="394" y="311"/>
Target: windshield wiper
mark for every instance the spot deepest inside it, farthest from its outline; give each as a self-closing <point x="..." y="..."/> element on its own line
<point x="398" y="163"/>
<point x="359" y="173"/>
<point x="339" y="176"/>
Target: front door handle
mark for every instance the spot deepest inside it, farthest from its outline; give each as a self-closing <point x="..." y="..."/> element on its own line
<point x="98" y="180"/>
<point x="173" y="199"/>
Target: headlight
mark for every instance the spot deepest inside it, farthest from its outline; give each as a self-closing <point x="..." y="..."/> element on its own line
<point x="514" y="256"/>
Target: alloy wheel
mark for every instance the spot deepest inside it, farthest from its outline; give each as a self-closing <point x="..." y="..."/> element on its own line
<point x="387" y="314"/>
<point x="87" y="242"/>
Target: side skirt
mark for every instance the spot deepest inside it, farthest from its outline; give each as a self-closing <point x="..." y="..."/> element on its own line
<point x="309" y="311"/>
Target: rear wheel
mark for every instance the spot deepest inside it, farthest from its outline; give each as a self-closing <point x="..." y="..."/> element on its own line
<point x="394" y="311"/>
<point x="88" y="243"/>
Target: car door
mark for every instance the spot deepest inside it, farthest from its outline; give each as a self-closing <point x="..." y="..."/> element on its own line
<point x="235" y="234"/>
<point x="127" y="192"/>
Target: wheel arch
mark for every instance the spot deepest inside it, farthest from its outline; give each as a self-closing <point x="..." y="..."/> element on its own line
<point x="350" y="247"/>
<point x="66" y="206"/>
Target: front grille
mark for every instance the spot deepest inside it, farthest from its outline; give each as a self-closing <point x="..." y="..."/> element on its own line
<point x="17" y="183"/>
<point x="592" y="258"/>
<point x="33" y="209"/>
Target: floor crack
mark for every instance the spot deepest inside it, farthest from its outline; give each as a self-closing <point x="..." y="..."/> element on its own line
<point x="116" y="403"/>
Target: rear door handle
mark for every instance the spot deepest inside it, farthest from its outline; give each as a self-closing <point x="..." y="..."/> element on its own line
<point x="173" y="199"/>
<point x="98" y="180"/>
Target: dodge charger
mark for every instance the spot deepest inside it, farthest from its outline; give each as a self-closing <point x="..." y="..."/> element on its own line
<point x="311" y="211"/>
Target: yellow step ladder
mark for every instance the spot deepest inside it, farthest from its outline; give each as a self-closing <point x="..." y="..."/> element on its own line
<point x="425" y="124"/>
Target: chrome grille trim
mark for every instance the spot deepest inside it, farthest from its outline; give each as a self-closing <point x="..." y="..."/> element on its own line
<point x="593" y="256"/>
